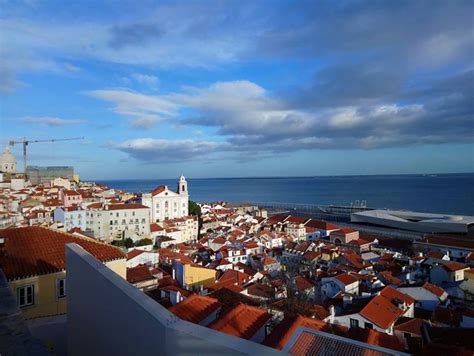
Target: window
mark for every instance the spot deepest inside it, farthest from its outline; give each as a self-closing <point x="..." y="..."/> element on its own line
<point x="354" y="323"/>
<point x="26" y="295"/>
<point x="61" y="287"/>
<point x="368" y="326"/>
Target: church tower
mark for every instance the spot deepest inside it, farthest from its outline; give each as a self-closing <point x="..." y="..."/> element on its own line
<point x="182" y="186"/>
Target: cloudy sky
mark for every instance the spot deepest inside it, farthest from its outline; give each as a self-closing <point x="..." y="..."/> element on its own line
<point x="244" y="88"/>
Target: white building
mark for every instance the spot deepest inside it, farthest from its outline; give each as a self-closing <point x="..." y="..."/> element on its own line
<point x="167" y="204"/>
<point x="427" y="296"/>
<point x="137" y="257"/>
<point x="71" y="217"/>
<point x="118" y="220"/>
<point x="7" y="161"/>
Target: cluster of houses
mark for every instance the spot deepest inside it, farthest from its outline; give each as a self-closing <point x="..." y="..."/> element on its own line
<point x="100" y="212"/>
<point x="241" y="272"/>
<point x="266" y="276"/>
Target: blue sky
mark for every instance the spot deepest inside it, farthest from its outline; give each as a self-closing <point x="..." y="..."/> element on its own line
<point x="240" y="88"/>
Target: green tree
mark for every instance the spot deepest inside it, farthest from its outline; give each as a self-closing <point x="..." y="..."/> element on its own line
<point x="144" y="242"/>
<point x="117" y="242"/>
<point x="194" y="208"/>
<point x="128" y="242"/>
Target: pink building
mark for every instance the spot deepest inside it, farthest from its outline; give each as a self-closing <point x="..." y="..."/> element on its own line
<point x="343" y="236"/>
<point x="70" y="198"/>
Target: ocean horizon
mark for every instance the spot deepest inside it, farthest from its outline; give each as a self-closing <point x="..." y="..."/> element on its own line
<point x="448" y="193"/>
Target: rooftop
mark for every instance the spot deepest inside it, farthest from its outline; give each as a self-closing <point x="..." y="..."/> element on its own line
<point x="35" y="250"/>
<point x="195" y="308"/>
<point x="243" y="321"/>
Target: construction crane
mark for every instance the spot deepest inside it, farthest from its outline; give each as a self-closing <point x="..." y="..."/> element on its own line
<point x="26" y="142"/>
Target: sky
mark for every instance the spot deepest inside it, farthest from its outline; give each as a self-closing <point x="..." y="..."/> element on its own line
<point x="240" y="88"/>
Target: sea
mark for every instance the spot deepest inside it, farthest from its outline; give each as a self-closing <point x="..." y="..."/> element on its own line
<point x="435" y="193"/>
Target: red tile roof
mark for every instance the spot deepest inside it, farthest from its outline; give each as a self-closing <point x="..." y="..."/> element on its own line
<point x="155" y="227"/>
<point x="302" y="283"/>
<point x="383" y="310"/>
<point x="134" y="253"/>
<point x="138" y="274"/>
<point x="71" y="192"/>
<point x="195" y="308"/>
<point x="235" y="276"/>
<point x="296" y="220"/>
<point x="284" y="331"/>
<point x="322" y="225"/>
<point x="35" y="250"/>
<point x="438" y="291"/>
<point x="392" y="294"/>
<point x="346" y="278"/>
<point x="243" y="321"/>
<point x="158" y="190"/>
<point x="454" y="266"/>
<point x="412" y="325"/>
<point x="126" y="206"/>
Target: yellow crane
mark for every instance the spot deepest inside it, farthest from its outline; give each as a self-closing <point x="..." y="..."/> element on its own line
<point x="26" y="142"/>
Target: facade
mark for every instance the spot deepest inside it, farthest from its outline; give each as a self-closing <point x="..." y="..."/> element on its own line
<point x="39" y="282"/>
<point x="427" y="296"/>
<point x="343" y="236"/>
<point x="7" y="161"/>
<point x="165" y="203"/>
<point x="189" y="227"/>
<point x="41" y="175"/>
<point x="447" y="272"/>
<point x="118" y="220"/>
<point x="191" y="276"/>
<point x="70" y="198"/>
<point x="381" y="312"/>
<point x="71" y="217"/>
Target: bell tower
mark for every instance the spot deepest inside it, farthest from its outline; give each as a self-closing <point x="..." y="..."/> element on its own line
<point x="182" y="186"/>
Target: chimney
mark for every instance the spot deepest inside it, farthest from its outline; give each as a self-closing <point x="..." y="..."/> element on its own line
<point x="346" y="300"/>
<point x="332" y="313"/>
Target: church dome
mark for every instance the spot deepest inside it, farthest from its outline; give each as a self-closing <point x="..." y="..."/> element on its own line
<point x="7" y="161"/>
<point x="7" y="157"/>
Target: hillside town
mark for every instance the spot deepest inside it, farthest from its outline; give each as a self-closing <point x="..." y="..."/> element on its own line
<point x="237" y="269"/>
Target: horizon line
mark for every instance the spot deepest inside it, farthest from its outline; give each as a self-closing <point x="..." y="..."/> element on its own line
<point x="283" y="177"/>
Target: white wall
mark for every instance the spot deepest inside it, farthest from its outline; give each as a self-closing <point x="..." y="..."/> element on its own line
<point x="112" y="303"/>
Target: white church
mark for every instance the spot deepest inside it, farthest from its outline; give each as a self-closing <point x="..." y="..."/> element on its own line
<point x="167" y="204"/>
<point x="7" y="161"/>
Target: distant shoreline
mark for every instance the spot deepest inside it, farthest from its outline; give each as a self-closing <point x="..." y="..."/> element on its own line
<point x="293" y="177"/>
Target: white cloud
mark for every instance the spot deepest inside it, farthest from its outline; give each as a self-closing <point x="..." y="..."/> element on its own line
<point x="162" y="150"/>
<point x="51" y="121"/>
<point x="149" y="80"/>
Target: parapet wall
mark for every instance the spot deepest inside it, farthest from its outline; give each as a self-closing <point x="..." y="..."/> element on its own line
<point x="108" y="316"/>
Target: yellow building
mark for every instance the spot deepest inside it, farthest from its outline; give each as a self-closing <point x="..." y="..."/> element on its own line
<point x="191" y="276"/>
<point x="33" y="260"/>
